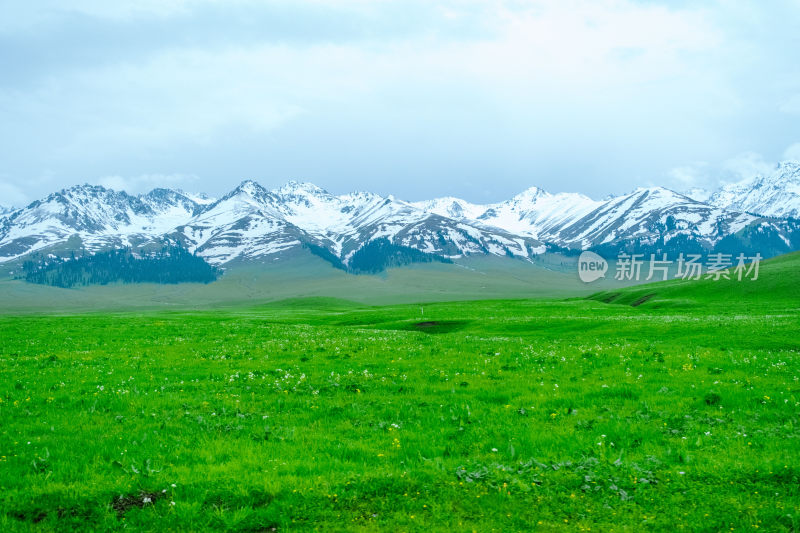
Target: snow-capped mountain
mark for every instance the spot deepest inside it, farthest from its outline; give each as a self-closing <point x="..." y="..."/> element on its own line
<point x="538" y="213"/>
<point x="647" y="215"/>
<point x="244" y="223"/>
<point x="99" y="217"/>
<point x="252" y="222"/>
<point x="570" y="220"/>
<point x="247" y="223"/>
<point x="776" y="194"/>
<point x="346" y="222"/>
<point x="452" y="207"/>
<point x="531" y="213"/>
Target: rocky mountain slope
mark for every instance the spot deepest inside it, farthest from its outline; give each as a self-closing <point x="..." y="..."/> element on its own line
<point x="775" y="194"/>
<point x="251" y="222"/>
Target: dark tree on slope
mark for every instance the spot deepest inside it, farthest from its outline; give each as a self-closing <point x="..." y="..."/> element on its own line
<point x="325" y="254"/>
<point x="171" y="264"/>
<point x="380" y="254"/>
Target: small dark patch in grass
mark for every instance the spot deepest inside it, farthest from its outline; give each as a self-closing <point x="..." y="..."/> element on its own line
<point x="82" y="514"/>
<point x="643" y="299"/>
<point x="438" y="326"/>
<point x="31" y="516"/>
<point x="52" y="360"/>
<point x="712" y="398"/>
<point x="123" y="504"/>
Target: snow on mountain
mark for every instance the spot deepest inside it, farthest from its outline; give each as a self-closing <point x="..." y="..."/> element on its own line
<point x="646" y="215"/>
<point x="331" y="220"/>
<point x="5" y="212"/>
<point x="252" y="222"/>
<point x="344" y="223"/>
<point x="573" y="220"/>
<point x="198" y="198"/>
<point x="576" y="221"/>
<point x="776" y="194"/>
<point x="242" y="224"/>
<point x="538" y="213"/>
<point x="532" y="213"/>
<point x="98" y="217"/>
<point x="451" y="207"/>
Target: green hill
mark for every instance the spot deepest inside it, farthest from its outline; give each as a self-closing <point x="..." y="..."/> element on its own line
<point x="304" y="275"/>
<point x="777" y="286"/>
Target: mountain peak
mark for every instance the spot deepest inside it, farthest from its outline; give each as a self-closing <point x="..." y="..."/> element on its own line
<point x="250" y="187"/>
<point x="788" y="169"/>
<point x="162" y="192"/>
<point x="661" y="195"/>
<point x="251" y="221"/>
<point x="85" y="188"/>
<point x="776" y="193"/>
<point x="531" y="193"/>
<point x="300" y="187"/>
<point x="655" y="191"/>
<point x="452" y="207"/>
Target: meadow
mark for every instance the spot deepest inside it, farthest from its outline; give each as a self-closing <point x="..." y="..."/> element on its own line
<point x="673" y="406"/>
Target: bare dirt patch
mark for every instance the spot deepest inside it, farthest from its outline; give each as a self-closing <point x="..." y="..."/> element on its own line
<point x="122" y="504"/>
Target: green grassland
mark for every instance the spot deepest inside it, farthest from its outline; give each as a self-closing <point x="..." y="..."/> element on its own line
<point x="305" y="275"/>
<point x="659" y="407"/>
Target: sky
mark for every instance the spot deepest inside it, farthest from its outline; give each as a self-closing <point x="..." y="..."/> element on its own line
<point x="418" y="98"/>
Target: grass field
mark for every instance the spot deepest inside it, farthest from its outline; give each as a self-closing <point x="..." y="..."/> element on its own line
<point x="305" y="275"/>
<point x="681" y="412"/>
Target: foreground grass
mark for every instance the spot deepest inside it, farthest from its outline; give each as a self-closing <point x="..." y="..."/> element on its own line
<point x="507" y="415"/>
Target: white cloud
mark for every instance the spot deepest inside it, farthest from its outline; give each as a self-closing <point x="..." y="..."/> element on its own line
<point x="742" y="167"/>
<point x="176" y="97"/>
<point x="792" y="153"/>
<point x="571" y="55"/>
<point x="692" y="175"/>
<point x="745" y="166"/>
<point x="147" y="182"/>
<point x="791" y="105"/>
<point x="116" y="10"/>
<point x="618" y="89"/>
<point x="11" y="195"/>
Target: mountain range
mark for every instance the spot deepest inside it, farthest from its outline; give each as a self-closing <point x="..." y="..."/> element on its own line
<point x="252" y="223"/>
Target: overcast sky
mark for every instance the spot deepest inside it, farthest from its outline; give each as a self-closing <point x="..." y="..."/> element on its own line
<point x="419" y="98"/>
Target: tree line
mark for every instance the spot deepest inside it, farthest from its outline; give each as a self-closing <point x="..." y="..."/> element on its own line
<point x="376" y="256"/>
<point x="169" y="265"/>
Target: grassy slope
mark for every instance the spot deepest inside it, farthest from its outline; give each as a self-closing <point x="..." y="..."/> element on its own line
<point x="304" y="275"/>
<point x="329" y="414"/>
<point x="778" y="285"/>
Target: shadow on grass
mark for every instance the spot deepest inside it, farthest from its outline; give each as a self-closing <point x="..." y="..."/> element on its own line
<point x="435" y="326"/>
